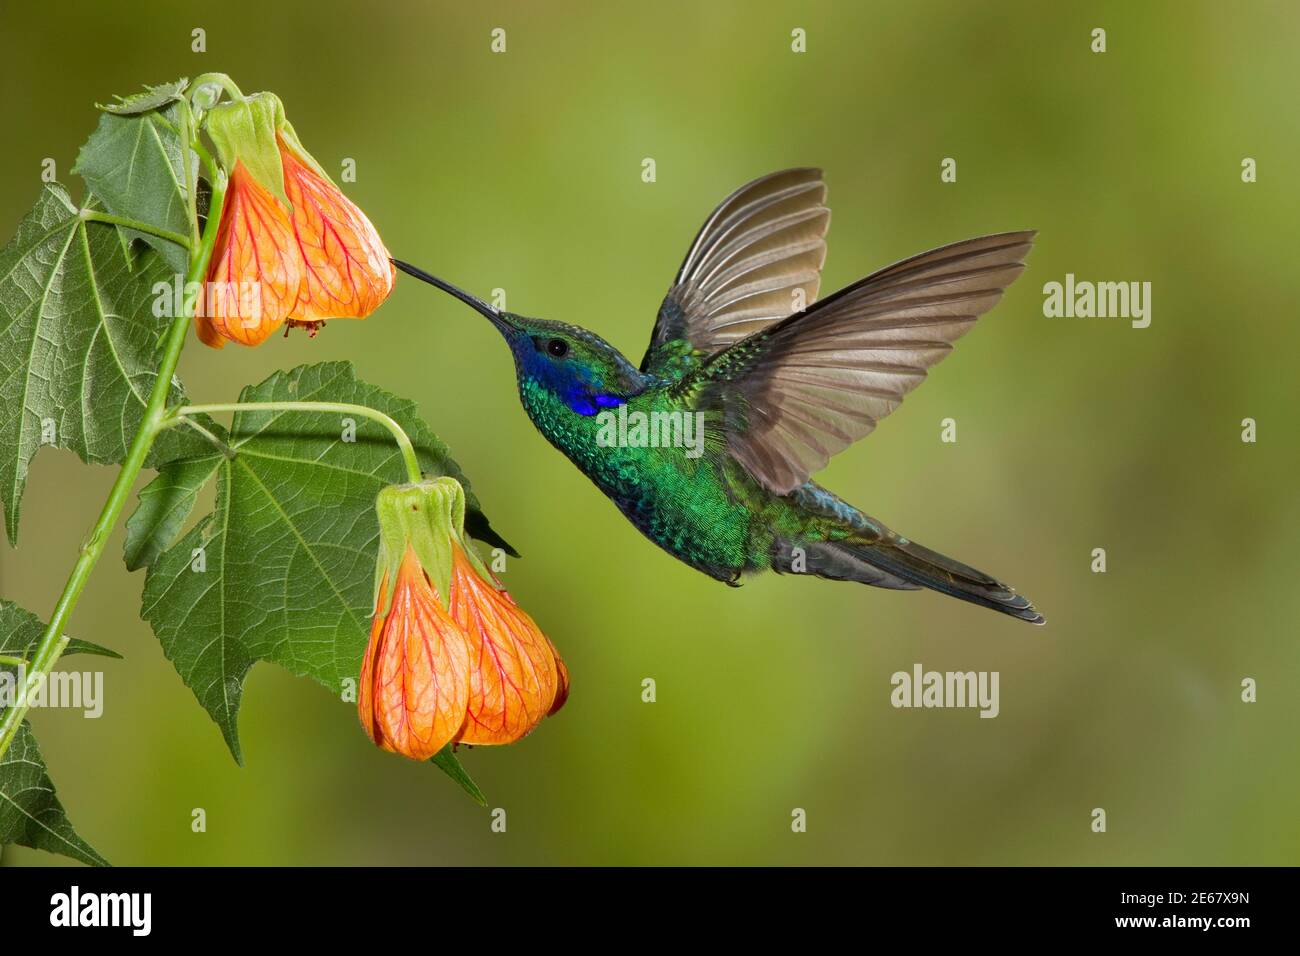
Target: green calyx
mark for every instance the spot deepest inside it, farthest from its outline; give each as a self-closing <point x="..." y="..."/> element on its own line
<point x="245" y="129"/>
<point x="428" y="517"/>
<point x="290" y="136"/>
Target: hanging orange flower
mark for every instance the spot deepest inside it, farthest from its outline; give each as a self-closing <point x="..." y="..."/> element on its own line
<point x="513" y="667"/>
<point x="473" y="668"/>
<point x="346" y="272"/>
<point x="255" y="276"/>
<point x="290" y="246"/>
<point x="415" y="675"/>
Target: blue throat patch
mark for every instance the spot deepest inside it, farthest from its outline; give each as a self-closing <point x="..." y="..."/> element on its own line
<point x="583" y="404"/>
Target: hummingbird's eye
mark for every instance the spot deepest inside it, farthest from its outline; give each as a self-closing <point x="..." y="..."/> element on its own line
<point x="557" y="347"/>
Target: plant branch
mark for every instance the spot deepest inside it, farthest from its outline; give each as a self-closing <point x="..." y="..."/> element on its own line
<point x="212" y="439"/>
<point x="203" y="85"/>
<point x="53" y="640"/>
<point x="94" y="215"/>
<point x="188" y="135"/>
<point x="195" y="143"/>
<point x="412" y="462"/>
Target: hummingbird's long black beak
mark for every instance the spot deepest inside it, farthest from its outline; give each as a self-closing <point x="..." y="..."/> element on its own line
<point x="474" y="302"/>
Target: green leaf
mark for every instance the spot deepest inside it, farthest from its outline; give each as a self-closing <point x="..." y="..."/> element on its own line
<point x="288" y="555"/>
<point x="20" y="629"/>
<point x="165" y="503"/>
<point x="135" y="166"/>
<point x="150" y="98"/>
<point x="30" y="812"/>
<point x="78" y="344"/>
<point x="445" y="760"/>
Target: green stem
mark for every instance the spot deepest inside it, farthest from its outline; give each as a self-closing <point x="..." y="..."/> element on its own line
<point x="53" y="640"/>
<point x="212" y="439"/>
<point x="413" y="473"/>
<point x="12" y="661"/>
<point x="94" y="215"/>
<point x="206" y="158"/>
<point x="188" y="135"/>
<point x="214" y="79"/>
<point x="195" y="144"/>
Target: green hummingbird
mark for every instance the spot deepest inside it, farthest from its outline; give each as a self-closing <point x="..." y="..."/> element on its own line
<point x="750" y="385"/>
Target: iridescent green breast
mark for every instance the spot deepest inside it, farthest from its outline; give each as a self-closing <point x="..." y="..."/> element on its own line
<point x="676" y="493"/>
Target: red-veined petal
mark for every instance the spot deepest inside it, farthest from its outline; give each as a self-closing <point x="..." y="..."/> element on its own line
<point x="255" y="274"/>
<point x="346" y="273"/>
<point x="415" y="675"/>
<point x="513" y="675"/>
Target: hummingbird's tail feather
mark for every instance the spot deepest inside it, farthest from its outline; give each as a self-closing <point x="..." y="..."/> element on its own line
<point x="836" y="562"/>
<point x="894" y="562"/>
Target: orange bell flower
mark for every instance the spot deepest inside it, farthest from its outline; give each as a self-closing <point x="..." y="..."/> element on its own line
<point x="470" y="668"/>
<point x="290" y="246"/>
<point x="514" y="670"/>
<point x="415" y="675"/>
<point x="346" y="272"/>
<point x="255" y="276"/>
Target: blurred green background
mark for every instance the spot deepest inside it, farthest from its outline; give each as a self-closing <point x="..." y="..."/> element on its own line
<point x="522" y="171"/>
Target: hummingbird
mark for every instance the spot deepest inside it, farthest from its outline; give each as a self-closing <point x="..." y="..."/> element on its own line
<point x="777" y="381"/>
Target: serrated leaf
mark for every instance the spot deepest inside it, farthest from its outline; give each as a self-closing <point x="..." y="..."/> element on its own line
<point x="78" y="344"/>
<point x="135" y="166"/>
<point x="148" y="99"/>
<point x="20" y="629"/>
<point x="288" y="554"/>
<point x="164" y="505"/>
<point x="30" y="812"/>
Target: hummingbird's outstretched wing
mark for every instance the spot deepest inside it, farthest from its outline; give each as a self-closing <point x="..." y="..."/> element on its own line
<point x="763" y="242"/>
<point x="804" y="389"/>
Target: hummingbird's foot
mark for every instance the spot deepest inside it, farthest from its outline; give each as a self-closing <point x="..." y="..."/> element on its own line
<point x="311" y="327"/>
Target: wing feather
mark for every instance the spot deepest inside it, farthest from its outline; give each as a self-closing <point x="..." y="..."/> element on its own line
<point x="802" y="389"/>
<point x="761" y="244"/>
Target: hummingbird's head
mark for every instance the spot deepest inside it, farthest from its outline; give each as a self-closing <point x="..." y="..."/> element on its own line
<point x="576" y="366"/>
